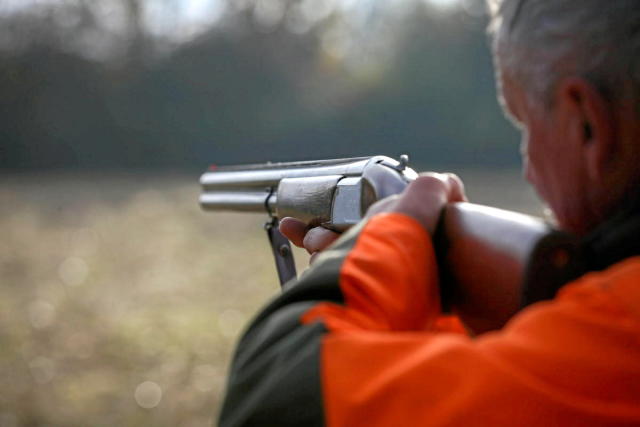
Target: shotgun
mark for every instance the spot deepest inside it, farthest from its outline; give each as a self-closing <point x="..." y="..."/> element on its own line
<point x="492" y="262"/>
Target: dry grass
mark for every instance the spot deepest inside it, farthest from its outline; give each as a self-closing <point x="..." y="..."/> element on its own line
<point x="120" y="301"/>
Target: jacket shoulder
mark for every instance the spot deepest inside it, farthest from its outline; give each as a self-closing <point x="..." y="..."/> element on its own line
<point x="619" y="285"/>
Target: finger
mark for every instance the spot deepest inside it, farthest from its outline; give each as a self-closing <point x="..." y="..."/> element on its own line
<point x="425" y="198"/>
<point x="313" y="257"/>
<point x="456" y="188"/>
<point x="448" y="185"/>
<point x="318" y="238"/>
<point x="294" y="230"/>
<point x="430" y="183"/>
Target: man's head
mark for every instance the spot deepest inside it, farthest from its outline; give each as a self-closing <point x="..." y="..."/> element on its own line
<point x="569" y="76"/>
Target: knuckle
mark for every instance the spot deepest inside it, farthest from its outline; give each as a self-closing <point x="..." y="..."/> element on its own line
<point x="454" y="178"/>
<point x="431" y="180"/>
<point x="308" y="244"/>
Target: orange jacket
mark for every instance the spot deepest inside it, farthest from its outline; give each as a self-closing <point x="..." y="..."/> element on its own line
<point x="359" y="341"/>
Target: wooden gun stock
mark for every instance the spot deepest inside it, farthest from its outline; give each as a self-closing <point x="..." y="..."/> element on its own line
<point x="493" y="262"/>
<point x="483" y="253"/>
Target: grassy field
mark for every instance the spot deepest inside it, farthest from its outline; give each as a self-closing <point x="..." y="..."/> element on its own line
<point x="120" y="301"/>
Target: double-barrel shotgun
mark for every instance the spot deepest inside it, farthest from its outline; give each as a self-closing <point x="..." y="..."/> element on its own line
<point x="492" y="262"/>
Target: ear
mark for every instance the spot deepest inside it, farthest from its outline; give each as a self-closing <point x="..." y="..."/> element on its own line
<point x="591" y="124"/>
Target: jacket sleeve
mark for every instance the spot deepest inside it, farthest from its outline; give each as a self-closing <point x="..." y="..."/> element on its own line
<point x="358" y="341"/>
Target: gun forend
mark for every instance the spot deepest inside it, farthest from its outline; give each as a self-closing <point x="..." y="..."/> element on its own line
<point x="333" y="193"/>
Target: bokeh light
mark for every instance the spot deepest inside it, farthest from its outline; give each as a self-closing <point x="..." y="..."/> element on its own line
<point x="73" y="271"/>
<point x="148" y="394"/>
<point x="41" y="314"/>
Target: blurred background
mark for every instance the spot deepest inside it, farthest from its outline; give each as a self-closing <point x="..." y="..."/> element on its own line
<point x="120" y="301"/>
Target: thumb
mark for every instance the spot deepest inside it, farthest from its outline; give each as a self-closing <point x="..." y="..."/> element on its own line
<point x="294" y="230"/>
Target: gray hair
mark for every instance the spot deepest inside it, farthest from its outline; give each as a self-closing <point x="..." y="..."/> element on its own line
<point x="539" y="42"/>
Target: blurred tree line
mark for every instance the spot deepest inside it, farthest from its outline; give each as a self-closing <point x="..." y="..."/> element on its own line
<point x="120" y="84"/>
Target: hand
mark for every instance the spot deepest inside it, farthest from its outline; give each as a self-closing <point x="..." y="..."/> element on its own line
<point x="314" y="240"/>
<point x="424" y="198"/>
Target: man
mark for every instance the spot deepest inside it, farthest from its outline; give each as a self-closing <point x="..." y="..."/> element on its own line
<point x="357" y="342"/>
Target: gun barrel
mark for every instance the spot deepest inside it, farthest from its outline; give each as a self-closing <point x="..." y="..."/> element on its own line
<point x="252" y="188"/>
<point x="268" y="175"/>
<point x="248" y="201"/>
